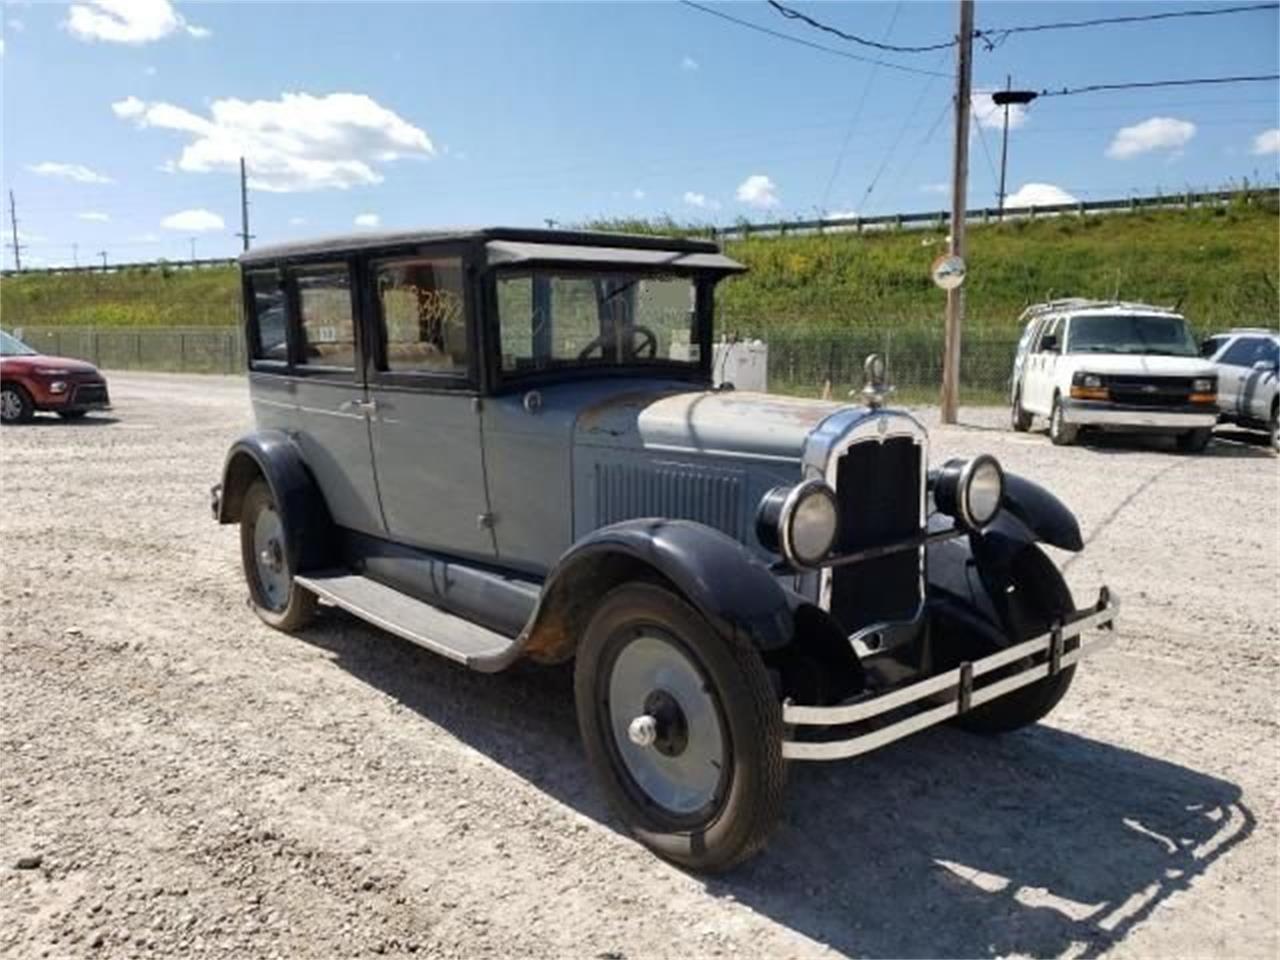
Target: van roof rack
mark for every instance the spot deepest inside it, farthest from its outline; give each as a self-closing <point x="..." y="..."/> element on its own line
<point x="1081" y="303"/>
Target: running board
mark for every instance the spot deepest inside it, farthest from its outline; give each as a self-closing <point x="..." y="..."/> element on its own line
<point x="440" y="632"/>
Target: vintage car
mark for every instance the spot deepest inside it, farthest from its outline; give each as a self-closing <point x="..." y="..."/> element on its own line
<point x="1248" y="364"/>
<point x="30" y="381"/>
<point x="508" y="445"/>
<point x="1107" y="365"/>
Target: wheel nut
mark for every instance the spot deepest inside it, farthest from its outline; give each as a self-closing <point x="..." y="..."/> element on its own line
<point x="643" y="730"/>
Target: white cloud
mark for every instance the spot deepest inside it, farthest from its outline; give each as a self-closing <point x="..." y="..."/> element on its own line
<point x="841" y="215"/>
<point x="297" y="221"/>
<point x="700" y="200"/>
<point x="1268" y="141"/>
<point x="70" y="171"/>
<point x="758" y="191"/>
<point x="987" y="113"/>
<point x="1038" y="195"/>
<point x="367" y="221"/>
<point x="94" y="216"/>
<point x="637" y="194"/>
<point x="127" y="21"/>
<point x="299" y="142"/>
<point x="1158" y="133"/>
<point x="688" y="63"/>
<point x="193" y="221"/>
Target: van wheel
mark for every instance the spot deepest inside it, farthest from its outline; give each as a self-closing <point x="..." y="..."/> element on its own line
<point x="264" y="553"/>
<point x="1194" y="441"/>
<point x="15" y="404"/>
<point x="1062" y="434"/>
<point x="682" y="728"/>
<point x="1019" y="418"/>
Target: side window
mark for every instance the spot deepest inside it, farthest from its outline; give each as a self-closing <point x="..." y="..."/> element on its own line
<point x="325" y="317"/>
<point x="1050" y="329"/>
<point x="266" y="299"/>
<point x="423" y="306"/>
<point x="1242" y="353"/>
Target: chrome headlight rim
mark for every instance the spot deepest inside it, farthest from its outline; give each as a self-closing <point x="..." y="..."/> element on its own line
<point x="786" y="526"/>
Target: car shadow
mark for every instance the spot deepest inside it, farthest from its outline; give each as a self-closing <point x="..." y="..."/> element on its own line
<point x="946" y="844"/>
<point x="1222" y="445"/>
<point x="53" y="420"/>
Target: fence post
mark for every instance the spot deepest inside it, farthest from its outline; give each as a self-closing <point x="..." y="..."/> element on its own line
<point x="182" y="352"/>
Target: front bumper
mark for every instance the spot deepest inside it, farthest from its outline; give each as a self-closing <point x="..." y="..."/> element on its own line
<point x="79" y="395"/>
<point x="1101" y="413"/>
<point x="959" y="685"/>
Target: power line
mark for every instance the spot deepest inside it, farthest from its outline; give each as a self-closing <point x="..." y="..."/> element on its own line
<point x="854" y="38"/>
<point x="808" y="43"/>
<point x="1144" y="85"/>
<point x="1004" y="32"/>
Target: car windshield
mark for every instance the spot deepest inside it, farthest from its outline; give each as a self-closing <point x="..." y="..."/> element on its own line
<point x="1131" y="333"/>
<point x="553" y="320"/>
<point x="11" y="346"/>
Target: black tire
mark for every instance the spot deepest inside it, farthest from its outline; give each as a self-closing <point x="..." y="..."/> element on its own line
<point x="1040" y="596"/>
<point x="15" y="404"/>
<point x="1273" y="427"/>
<point x="1194" y="441"/>
<point x="1062" y="434"/>
<point x="747" y="800"/>
<point x="1019" y="419"/>
<point x="296" y="606"/>
<point x="72" y="414"/>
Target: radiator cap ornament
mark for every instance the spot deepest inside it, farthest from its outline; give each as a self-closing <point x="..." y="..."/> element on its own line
<point x="877" y="387"/>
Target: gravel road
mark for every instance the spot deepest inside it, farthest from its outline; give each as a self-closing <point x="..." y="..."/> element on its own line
<point x="178" y="779"/>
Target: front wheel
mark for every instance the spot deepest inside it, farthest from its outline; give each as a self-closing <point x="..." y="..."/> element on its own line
<point x="273" y="593"/>
<point x="1194" y="441"/>
<point x="682" y="728"/>
<point x="1062" y="434"/>
<point x="15" y="404"/>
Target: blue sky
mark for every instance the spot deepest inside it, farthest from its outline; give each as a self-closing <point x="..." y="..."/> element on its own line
<point x="122" y="118"/>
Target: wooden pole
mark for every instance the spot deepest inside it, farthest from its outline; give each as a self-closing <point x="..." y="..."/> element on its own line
<point x="950" y="400"/>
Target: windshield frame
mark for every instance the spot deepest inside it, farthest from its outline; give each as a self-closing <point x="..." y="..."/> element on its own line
<point x="1147" y="349"/>
<point x="703" y="281"/>
<point x="26" y="351"/>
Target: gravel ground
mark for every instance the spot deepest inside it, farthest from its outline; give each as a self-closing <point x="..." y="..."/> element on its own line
<point x="178" y="779"/>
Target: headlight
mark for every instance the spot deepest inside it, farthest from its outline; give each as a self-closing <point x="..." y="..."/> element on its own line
<point x="1203" y="385"/>
<point x="970" y="490"/>
<point x="58" y="386"/>
<point x="799" y="522"/>
<point x="1091" y="380"/>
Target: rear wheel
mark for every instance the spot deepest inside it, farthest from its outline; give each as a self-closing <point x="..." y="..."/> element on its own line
<point x="1194" y="441"/>
<point x="682" y="728"/>
<point x="274" y="594"/>
<point x="1019" y="419"/>
<point x="15" y="404"/>
<point x="1062" y="434"/>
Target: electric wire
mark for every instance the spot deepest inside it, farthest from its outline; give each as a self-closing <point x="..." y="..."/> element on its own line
<point x="790" y="14"/>
<point x="1148" y="84"/>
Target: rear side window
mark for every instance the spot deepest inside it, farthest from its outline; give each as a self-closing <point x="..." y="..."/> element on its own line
<point x="266" y="300"/>
<point x="1247" y="351"/>
<point x="326" y="320"/>
<point x="423" y="306"/>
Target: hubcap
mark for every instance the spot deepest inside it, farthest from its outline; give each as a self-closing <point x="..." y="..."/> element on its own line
<point x="666" y="724"/>
<point x="10" y="405"/>
<point x="268" y="548"/>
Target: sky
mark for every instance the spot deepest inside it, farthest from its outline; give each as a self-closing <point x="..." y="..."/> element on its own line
<point x="124" y="120"/>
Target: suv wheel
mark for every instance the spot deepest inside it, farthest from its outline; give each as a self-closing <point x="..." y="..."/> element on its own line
<point x="1019" y="418"/>
<point x="1194" y="441"/>
<point x="1274" y="427"/>
<point x="264" y="552"/>
<point x="15" y="404"/>
<point x="682" y="728"/>
<point x="1062" y="434"/>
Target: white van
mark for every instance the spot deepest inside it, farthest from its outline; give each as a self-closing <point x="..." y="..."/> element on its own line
<point x="1106" y="365"/>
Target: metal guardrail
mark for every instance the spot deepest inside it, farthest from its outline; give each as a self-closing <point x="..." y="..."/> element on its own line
<point x="200" y="264"/>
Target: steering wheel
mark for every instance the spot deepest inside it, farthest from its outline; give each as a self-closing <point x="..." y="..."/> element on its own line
<point x="643" y="339"/>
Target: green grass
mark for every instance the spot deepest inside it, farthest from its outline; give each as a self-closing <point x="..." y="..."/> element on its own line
<point x="1220" y="263"/>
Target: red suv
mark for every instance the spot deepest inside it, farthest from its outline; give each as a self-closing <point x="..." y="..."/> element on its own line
<point x="30" y="381"/>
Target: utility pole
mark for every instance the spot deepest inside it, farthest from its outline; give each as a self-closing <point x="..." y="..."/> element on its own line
<point x="75" y="254"/>
<point x="13" y="223"/>
<point x="959" y="184"/>
<point x="1005" y="98"/>
<point x="193" y="248"/>
<point x="103" y="255"/>
<point x="244" y="233"/>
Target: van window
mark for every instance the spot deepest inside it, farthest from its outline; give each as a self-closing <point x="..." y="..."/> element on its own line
<point x="266" y="300"/>
<point x="423" y="307"/>
<point x="1050" y="329"/>
<point x="327" y="324"/>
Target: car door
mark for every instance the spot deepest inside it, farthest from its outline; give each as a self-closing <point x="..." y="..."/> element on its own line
<point x="1040" y="369"/>
<point x="1234" y="366"/>
<point x="307" y="381"/>
<point x="1258" y="383"/>
<point x="423" y="390"/>
<point x="1021" y="357"/>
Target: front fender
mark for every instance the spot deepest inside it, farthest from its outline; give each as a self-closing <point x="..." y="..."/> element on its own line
<point x="1039" y="512"/>
<point x="273" y="456"/>
<point x="724" y="581"/>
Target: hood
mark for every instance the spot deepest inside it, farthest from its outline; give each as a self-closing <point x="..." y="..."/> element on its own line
<point x="706" y="421"/>
<point x="1138" y="364"/>
<point x="40" y="361"/>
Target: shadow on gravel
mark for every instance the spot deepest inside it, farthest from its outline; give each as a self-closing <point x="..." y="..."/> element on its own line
<point x="1040" y="842"/>
<point x="53" y="420"/>
<point x="1224" y="444"/>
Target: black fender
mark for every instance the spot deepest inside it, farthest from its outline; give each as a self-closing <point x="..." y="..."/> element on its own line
<point x="1039" y="513"/>
<point x="731" y="587"/>
<point x="274" y="456"/>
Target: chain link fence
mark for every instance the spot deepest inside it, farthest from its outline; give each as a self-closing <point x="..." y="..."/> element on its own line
<point x="176" y="349"/>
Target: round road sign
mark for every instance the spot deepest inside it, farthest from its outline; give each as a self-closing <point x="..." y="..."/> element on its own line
<point x="948" y="271"/>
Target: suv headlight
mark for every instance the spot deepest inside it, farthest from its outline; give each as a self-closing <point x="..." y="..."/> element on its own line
<point x="799" y="522"/>
<point x="970" y="491"/>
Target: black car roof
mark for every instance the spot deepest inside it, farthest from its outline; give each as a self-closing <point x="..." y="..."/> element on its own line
<point x="364" y="241"/>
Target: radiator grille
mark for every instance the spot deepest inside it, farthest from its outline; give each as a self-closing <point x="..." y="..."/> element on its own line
<point x="878" y="485"/>
<point x="1146" y="391"/>
<point x="90" y="393"/>
<point x="713" y="497"/>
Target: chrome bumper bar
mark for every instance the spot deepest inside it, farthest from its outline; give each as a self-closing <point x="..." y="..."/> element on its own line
<point x="961" y="682"/>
